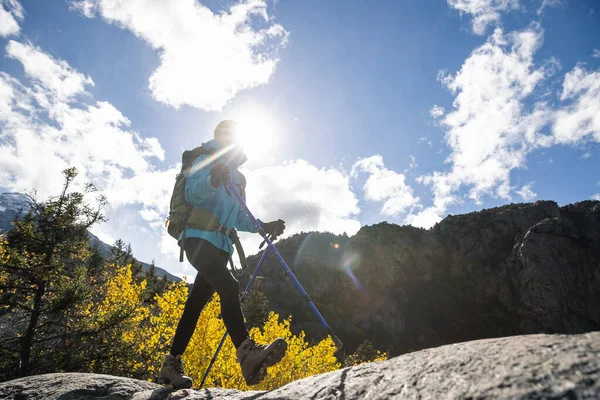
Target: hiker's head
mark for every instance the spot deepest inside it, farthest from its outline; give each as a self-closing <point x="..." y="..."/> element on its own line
<point x="226" y="133"/>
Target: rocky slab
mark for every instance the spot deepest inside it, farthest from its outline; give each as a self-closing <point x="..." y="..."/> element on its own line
<point x="518" y="367"/>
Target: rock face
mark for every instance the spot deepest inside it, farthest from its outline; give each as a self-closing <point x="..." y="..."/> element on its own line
<point x="517" y="269"/>
<point x="519" y="367"/>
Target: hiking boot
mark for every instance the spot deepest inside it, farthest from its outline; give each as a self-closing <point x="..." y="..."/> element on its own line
<point x="172" y="373"/>
<point x="255" y="358"/>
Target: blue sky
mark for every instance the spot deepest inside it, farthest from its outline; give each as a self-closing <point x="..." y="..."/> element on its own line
<point x="359" y="112"/>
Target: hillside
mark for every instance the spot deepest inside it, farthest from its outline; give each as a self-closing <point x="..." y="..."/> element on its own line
<point x="517" y="269"/>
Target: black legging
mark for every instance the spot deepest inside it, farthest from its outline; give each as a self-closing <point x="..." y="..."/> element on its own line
<point x="213" y="275"/>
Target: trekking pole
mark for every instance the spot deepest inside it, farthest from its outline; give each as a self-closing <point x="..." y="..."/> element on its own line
<point x="270" y="245"/>
<point x="254" y="275"/>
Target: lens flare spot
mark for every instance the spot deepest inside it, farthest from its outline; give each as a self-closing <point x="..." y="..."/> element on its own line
<point x="350" y="261"/>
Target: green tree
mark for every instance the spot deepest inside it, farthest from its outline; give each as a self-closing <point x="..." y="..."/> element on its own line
<point x="112" y="322"/>
<point x="96" y="262"/>
<point x="155" y="285"/>
<point x="122" y="254"/>
<point x="364" y="353"/>
<point x="256" y="306"/>
<point x="44" y="276"/>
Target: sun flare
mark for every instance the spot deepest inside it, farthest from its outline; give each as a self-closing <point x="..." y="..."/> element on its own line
<point x="258" y="131"/>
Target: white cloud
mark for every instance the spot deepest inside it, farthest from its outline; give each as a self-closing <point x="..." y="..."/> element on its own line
<point x="596" y="197"/>
<point x="425" y="139"/>
<point x="526" y="192"/>
<point x="549" y="3"/>
<point x="386" y="186"/>
<point x="306" y="197"/>
<point x="56" y="76"/>
<point x="425" y="218"/>
<point x="489" y="131"/>
<point x="205" y="58"/>
<point x="86" y="7"/>
<point x="437" y="111"/>
<point x="484" y="12"/>
<point x="596" y="53"/>
<point x="150" y="214"/>
<point x="10" y="12"/>
<point x="581" y="119"/>
<point x="45" y="128"/>
<point x="413" y="162"/>
<point x="497" y="120"/>
<point x="152" y="147"/>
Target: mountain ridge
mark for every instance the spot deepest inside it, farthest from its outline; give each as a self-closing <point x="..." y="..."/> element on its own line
<point x="517" y="269"/>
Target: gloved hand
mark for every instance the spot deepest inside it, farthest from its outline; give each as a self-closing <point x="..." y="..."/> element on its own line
<point x="219" y="174"/>
<point x="274" y="228"/>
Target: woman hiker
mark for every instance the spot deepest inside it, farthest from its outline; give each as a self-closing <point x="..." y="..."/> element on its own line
<point x="209" y="253"/>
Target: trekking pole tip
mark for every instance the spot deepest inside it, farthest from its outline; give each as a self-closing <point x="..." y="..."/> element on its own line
<point x="336" y="340"/>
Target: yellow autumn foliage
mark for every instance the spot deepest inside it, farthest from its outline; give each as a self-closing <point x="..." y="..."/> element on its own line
<point x="116" y="313"/>
<point x="147" y="330"/>
<point x="300" y="361"/>
<point x="4" y="258"/>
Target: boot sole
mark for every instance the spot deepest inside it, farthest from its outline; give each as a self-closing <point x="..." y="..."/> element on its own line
<point x="260" y="371"/>
<point x="167" y="381"/>
<point x="277" y="354"/>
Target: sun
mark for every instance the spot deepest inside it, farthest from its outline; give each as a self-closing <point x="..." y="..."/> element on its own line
<point x="258" y="132"/>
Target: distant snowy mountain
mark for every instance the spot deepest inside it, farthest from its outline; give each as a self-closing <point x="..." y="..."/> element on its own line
<point x="13" y="204"/>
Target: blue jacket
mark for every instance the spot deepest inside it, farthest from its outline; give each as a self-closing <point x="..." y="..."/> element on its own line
<point x="199" y="192"/>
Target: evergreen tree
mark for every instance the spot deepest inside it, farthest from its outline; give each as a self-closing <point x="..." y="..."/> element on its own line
<point x="364" y="353"/>
<point x="155" y="284"/>
<point x="256" y="306"/>
<point x="96" y="262"/>
<point x="121" y="254"/>
<point x="44" y="275"/>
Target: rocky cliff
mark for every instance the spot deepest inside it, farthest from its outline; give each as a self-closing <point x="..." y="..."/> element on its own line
<point x="520" y="367"/>
<point x="517" y="269"/>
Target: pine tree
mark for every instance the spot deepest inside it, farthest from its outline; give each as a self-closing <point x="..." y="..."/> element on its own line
<point x="364" y="353"/>
<point x="155" y="285"/>
<point x="122" y="254"/>
<point x="44" y="275"/>
<point x="96" y="262"/>
<point x="256" y="306"/>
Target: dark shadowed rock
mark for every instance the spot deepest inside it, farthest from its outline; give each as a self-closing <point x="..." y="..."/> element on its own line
<point x="519" y="367"/>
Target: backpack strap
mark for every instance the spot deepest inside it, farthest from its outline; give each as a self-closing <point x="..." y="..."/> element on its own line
<point x="199" y="218"/>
